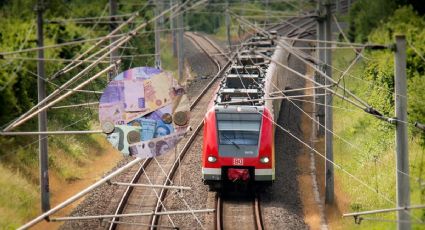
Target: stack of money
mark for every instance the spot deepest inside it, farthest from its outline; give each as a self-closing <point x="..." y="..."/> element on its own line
<point x="142" y="108"/>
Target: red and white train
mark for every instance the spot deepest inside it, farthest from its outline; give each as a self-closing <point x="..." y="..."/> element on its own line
<point x="238" y="142"/>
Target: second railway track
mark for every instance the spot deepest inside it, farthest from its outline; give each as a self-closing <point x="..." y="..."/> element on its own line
<point x="161" y="170"/>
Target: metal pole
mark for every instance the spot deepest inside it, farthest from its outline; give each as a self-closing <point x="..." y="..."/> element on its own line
<point x="157" y="37"/>
<point x="337" y="7"/>
<point x="180" y="49"/>
<point x="228" y="25"/>
<point x="267" y="12"/>
<point x="80" y="194"/>
<point x="120" y="42"/>
<point x="320" y="113"/>
<point x="329" y="183"/>
<point x="173" y="31"/>
<point x="42" y="117"/>
<point x="113" y="7"/>
<point x="402" y="154"/>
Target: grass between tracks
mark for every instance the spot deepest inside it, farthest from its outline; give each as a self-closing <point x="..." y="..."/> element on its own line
<point x="372" y="160"/>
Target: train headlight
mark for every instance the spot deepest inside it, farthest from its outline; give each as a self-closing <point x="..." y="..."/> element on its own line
<point x="212" y="159"/>
<point x="264" y="160"/>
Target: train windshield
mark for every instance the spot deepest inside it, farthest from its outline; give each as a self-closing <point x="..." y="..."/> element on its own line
<point x="238" y="134"/>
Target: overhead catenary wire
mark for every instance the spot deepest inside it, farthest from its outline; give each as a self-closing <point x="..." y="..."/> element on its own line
<point x="57" y="86"/>
<point x="359" y="219"/>
<point x="339" y="137"/>
<point x="72" y="65"/>
<point x="157" y="195"/>
<point x="313" y="81"/>
<point x="345" y="37"/>
<point x="332" y="162"/>
<point x="55" y="209"/>
<point x="37" y="140"/>
<point x="87" y="18"/>
<point x="416" y="50"/>
<point x="365" y="106"/>
<point x="372" y="111"/>
<point x="119" y="42"/>
<point x="46" y="105"/>
<point x="76" y="105"/>
<point x="291" y="50"/>
<point x="326" y="157"/>
<point x="78" y="41"/>
<point x="27" y="35"/>
<point x="50" y="59"/>
<point x="171" y="182"/>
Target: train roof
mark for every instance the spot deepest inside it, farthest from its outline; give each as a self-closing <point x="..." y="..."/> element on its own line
<point x="243" y="83"/>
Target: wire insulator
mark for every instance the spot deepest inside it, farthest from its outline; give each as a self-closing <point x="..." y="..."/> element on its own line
<point x="420" y="126"/>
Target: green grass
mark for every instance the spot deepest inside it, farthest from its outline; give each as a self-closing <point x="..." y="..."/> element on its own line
<point x="19" y="179"/>
<point x="372" y="160"/>
<point x="168" y="61"/>
<point x="18" y="198"/>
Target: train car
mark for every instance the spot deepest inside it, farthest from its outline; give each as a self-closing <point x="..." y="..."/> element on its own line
<point x="238" y="141"/>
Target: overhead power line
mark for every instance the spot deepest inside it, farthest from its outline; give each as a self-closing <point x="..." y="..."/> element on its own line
<point x="87" y="18"/>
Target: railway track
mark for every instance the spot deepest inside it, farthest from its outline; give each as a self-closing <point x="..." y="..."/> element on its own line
<point x="245" y="213"/>
<point x="161" y="170"/>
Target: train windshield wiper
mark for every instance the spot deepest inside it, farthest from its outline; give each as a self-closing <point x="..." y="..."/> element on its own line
<point x="236" y="145"/>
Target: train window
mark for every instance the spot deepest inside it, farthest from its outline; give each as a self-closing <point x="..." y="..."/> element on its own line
<point x="233" y="137"/>
<point x="238" y="132"/>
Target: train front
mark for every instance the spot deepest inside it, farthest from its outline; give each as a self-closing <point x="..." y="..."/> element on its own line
<point x="238" y="145"/>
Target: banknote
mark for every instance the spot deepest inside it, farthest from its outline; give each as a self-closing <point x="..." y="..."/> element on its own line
<point x="123" y="136"/>
<point x="138" y="73"/>
<point x="134" y="97"/>
<point x="155" y="147"/>
<point x="158" y="90"/>
<point x="141" y="73"/>
<point x="113" y="112"/>
<point x="164" y="126"/>
<point x="148" y="127"/>
<point x="113" y="94"/>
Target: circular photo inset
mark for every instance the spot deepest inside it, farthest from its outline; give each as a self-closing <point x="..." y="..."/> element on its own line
<point x="144" y="112"/>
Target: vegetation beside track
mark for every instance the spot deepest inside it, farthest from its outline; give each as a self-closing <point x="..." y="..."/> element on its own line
<point x="69" y="155"/>
<point x="373" y="157"/>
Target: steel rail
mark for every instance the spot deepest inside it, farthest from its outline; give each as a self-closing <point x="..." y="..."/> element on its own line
<point x="219" y="224"/>
<point x="191" y="37"/>
<point x="218" y="213"/>
<point x="258" y="216"/>
<point x="45" y="215"/>
<point x="256" y="212"/>
<point x="127" y="192"/>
